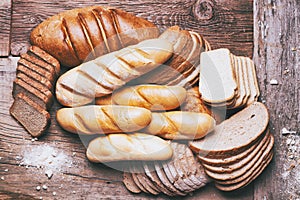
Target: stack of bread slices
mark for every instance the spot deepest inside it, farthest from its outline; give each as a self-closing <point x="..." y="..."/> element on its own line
<point x="239" y="148"/>
<point x="178" y="176"/>
<point x="33" y="88"/>
<point x="227" y="80"/>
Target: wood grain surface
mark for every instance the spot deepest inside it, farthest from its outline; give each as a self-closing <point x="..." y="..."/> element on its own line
<point x="217" y="20"/>
<point x="5" y="23"/>
<point x="277" y="57"/>
<point x="225" y="24"/>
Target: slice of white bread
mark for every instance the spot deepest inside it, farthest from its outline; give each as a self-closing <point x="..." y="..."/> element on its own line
<point x="217" y="82"/>
<point x="253" y="70"/>
<point x="241" y="173"/>
<point x="251" y="80"/>
<point x="235" y="134"/>
<point x="249" y="155"/>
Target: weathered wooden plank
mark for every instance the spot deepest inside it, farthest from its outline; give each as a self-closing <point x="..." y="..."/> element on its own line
<point x="23" y="162"/>
<point x="5" y="27"/>
<point x="223" y="23"/>
<point x="277" y="56"/>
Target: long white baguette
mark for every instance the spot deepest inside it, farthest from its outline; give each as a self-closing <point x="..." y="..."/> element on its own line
<point x="137" y="146"/>
<point x="103" y="75"/>
<point x="103" y="119"/>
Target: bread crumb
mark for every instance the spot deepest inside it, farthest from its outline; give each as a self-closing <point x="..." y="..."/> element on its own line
<point x="6" y="170"/>
<point x="45" y="187"/>
<point x="54" y="193"/>
<point x="73" y="192"/>
<point x="38" y="188"/>
<point x="2" y="178"/>
<point x="273" y="82"/>
<point x="285" y="131"/>
<point x="49" y="173"/>
<point x="41" y="197"/>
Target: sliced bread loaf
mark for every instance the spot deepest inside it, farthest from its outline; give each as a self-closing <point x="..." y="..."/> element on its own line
<point x="217" y="82"/>
<point x="235" y="134"/>
<point x="34" y="94"/>
<point x="32" y="116"/>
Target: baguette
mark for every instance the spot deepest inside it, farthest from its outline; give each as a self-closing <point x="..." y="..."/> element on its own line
<point x="180" y="125"/>
<point x="103" y="75"/>
<point x="77" y="35"/>
<point x="152" y="97"/>
<point x="103" y="119"/>
<point x="137" y="146"/>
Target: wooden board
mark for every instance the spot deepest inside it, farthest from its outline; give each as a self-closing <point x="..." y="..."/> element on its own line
<point x="223" y="23"/>
<point x="277" y="56"/>
<point x="5" y="23"/>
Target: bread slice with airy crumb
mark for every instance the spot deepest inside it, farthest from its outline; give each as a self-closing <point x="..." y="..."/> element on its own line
<point x="235" y="134"/>
<point x="217" y="82"/>
<point x="33" y="117"/>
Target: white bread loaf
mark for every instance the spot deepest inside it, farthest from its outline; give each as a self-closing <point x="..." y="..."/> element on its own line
<point x="103" y="75"/>
<point x="152" y="97"/>
<point x="180" y="125"/>
<point x="103" y="119"/>
<point x="137" y="146"/>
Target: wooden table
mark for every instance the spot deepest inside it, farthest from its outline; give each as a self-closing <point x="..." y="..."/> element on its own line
<point x="267" y="29"/>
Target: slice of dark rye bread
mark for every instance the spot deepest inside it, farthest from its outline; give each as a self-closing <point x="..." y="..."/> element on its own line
<point x="241" y="162"/>
<point x="19" y="86"/>
<point x="41" y="54"/>
<point x="33" y="117"/>
<point x="41" y="71"/>
<point x="240" y="174"/>
<point x="235" y="134"/>
<point x="37" y="85"/>
<point x="35" y="76"/>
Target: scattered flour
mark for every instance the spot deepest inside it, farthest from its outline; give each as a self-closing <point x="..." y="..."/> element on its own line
<point x="45" y="156"/>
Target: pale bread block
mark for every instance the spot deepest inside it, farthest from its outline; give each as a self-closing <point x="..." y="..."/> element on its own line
<point x="246" y="80"/>
<point x="242" y="173"/>
<point x="231" y="159"/>
<point x="235" y="134"/>
<point x="251" y="63"/>
<point x="248" y="180"/>
<point x="241" y="83"/>
<point x="251" y="81"/>
<point x="236" y="75"/>
<point x="217" y="83"/>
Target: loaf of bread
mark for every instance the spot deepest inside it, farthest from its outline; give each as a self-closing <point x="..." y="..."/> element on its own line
<point x="103" y="75"/>
<point x="137" y="146"/>
<point x="82" y="34"/>
<point x="180" y="125"/>
<point x="152" y="97"/>
<point x="103" y="119"/>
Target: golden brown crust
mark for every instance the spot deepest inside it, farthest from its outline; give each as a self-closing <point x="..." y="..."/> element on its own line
<point x="72" y="35"/>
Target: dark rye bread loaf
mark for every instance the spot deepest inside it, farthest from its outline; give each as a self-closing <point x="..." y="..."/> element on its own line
<point x="35" y="76"/>
<point x="235" y="134"/>
<point x="47" y="58"/>
<point x="33" y="118"/>
<point x="34" y="94"/>
<point x="37" y="85"/>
